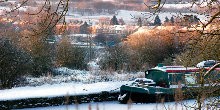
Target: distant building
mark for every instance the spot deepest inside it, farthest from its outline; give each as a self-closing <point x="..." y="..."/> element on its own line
<point x="104" y="21"/>
<point x="71" y="28"/>
<point x="111" y="29"/>
<point x="133" y="1"/>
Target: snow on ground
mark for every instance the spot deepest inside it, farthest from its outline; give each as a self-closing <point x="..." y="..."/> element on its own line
<point x="70" y="82"/>
<point x="178" y="6"/>
<point x="63" y="89"/>
<point x="66" y="75"/>
<point x="130" y="17"/>
<point x="116" y="106"/>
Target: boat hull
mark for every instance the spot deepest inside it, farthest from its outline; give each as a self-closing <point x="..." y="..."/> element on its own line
<point x="145" y="95"/>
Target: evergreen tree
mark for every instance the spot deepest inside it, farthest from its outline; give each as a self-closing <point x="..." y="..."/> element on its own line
<point x="157" y="21"/>
<point x="172" y="19"/>
<point x="139" y="22"/>
<point x="84" y="29"/>
<point x="114" y="21"/>
<point x="166" y="19"/>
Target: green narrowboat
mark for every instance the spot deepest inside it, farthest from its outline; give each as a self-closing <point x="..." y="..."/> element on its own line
<point x="163" y="81"/>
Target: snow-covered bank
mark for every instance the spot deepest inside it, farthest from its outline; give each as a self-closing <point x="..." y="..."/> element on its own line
<point x="66" y="75"/>
<point x="63" y="89"/>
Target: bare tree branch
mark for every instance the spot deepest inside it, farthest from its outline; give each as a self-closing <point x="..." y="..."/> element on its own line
<point x="212" y="18"/>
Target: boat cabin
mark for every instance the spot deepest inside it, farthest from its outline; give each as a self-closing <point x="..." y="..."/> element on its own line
<point x="176" y="76"/>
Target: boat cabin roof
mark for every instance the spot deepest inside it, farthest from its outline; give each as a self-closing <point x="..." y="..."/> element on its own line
<point x="179" y="69"/>
<point x="176" y="69"/>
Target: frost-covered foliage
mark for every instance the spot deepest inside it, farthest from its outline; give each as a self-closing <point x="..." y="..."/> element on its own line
<point x="65" y="75"/>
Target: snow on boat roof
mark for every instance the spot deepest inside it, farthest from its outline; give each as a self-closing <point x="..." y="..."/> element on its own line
<point x="176" y="69"/>
<point x="179" y="69"/>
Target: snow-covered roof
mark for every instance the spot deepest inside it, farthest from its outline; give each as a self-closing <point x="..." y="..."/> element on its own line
<point x="119" y="27"/>
<point x="206" y="63"/>
<point x="175" y="69"/>
<point x="81" y="35"/>
<point x="177" y="6"/>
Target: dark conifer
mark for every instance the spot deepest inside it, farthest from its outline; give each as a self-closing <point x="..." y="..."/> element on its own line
<point x="139" y="22"/>
<point x="114" y="21"/>
<point x="84" y="28"/>
<point x="172" y="19"/>
<point x="157" y="21"/>
<point x="166" y="19"/>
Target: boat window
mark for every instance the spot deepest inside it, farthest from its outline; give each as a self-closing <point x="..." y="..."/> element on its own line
<point x="175" y="78"/>
<point x="190" y="79"/>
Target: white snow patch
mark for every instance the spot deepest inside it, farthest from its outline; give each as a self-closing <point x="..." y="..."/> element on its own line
<point x="178" y="6"/>
<point x="131" y="17"/>
<point x="63" y="89"/>
<point x="203" y="63"/>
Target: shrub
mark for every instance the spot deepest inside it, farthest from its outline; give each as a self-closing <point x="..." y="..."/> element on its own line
<point x="14" y="63"/>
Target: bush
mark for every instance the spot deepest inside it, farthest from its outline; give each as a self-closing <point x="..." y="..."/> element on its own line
<point x="14" y="63"/>
<point x="150" y="48"/>
<point x="116" y="58"/>
<point x="70" y="56"/>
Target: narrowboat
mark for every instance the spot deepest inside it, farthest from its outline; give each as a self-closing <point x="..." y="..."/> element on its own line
<point x="163" y="82"/>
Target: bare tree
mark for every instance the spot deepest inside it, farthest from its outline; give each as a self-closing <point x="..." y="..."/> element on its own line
<point x="55" y="11"/>
<point x="35" y="27"/>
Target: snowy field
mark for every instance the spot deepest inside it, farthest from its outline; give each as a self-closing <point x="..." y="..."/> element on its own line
<point x="63" y="89"/>
<point x="70" y="82"/>
<point x="131" y="17"/>
<point x="65" y="75"/>
<point x="114" y="105"/>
